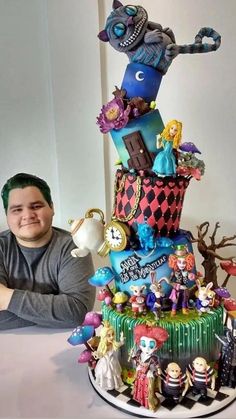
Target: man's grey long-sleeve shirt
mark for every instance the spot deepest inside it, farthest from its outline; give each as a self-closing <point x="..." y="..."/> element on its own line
<point x="51" y="287"/>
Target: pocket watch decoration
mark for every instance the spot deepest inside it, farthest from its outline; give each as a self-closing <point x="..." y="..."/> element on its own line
<point x="116" y="235"/>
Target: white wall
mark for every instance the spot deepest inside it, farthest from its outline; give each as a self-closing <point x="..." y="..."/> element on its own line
<point x="52" y="89"/>
<point x="76" y="85"/>
<point x="26" y="110"/>
<point x="50" y="95"/>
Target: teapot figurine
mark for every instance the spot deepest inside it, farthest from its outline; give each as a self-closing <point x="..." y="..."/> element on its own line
<point x="88" y="234"/>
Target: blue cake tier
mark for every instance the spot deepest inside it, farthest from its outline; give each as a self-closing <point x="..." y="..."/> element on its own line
<point x="134" y="267"/>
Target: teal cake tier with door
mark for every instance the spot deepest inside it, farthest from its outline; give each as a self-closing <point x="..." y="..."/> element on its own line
<point x="136" y="142"/>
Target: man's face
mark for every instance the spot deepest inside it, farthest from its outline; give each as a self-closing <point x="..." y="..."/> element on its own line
<point x="29" y="216"/>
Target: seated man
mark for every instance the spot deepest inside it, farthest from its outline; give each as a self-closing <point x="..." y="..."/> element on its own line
<point x="40" y="282"/>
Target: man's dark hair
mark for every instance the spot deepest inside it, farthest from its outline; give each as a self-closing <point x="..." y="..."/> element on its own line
<point x="21" y="180"/>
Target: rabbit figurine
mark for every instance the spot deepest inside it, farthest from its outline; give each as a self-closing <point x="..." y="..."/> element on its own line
<point x="155" y="295"/>
<point x="205" y="298"/>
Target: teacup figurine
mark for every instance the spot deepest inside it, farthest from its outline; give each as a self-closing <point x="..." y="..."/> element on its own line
<point x="88" y="233"/>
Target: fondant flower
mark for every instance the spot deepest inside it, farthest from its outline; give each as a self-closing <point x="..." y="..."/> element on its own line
<point x="113" y="116"/>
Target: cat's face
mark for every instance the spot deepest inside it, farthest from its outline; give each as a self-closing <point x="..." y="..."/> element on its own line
<point x="125" y="27"/>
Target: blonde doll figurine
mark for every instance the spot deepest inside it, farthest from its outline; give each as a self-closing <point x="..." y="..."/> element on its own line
<point x="170" y="138"/>
<point x="108" y="369"/>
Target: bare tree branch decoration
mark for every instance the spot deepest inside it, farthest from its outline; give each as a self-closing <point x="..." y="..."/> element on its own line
<point x="209" y="251"/>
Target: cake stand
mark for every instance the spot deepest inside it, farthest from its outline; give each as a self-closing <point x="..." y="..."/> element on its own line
<point x="191" y="406"/>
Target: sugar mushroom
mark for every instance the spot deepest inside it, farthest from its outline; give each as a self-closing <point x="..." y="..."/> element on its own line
<point x="81" y="334"/>
<point x="104" y="295"/>
<point x="189" y="147"/>
<point x="119" y="300"/>
<point x="222" y="293"/>
<point x="229" y="266"/>
<point x="85" y="356"/>
<point x="102" y="277"/>
<point x="230" y="304"/>
<point x="92" y="318"/>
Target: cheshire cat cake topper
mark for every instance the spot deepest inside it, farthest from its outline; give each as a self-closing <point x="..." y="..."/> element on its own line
<point x="128" y="30"/>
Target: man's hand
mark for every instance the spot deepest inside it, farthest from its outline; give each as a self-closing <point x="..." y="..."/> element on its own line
<point x="5" y="297"/>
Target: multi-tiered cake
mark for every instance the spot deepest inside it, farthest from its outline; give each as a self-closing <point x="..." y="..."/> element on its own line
<point x="164" y="318"/>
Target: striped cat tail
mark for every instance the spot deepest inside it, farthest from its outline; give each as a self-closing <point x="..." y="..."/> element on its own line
<point x="198" y="46"/>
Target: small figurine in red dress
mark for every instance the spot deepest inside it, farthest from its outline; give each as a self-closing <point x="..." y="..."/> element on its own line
<point x="149" y="339"/>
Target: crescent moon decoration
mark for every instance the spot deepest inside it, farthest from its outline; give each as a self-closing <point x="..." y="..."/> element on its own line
<point x="139" y="75"/>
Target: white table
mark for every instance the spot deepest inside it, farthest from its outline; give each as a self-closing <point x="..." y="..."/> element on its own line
<point x="41" y="378"/>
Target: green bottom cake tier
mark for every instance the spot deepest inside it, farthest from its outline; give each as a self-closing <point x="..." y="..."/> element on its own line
<point x="189" y="335"/>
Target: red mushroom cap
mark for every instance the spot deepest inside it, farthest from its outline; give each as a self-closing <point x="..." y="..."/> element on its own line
<point x="102" y="294"/>
<point x="230" y="304"/>
<point x="229" y="266"/>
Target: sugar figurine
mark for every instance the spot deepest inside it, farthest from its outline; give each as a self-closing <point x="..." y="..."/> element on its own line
<point x="108" y="369"/>
<point x="149" y="339"/>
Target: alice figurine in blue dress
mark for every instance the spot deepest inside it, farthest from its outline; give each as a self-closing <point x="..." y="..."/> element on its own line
<point x="170" y="138"/>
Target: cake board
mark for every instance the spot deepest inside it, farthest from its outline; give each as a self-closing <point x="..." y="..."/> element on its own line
<point x="190" y="407"/>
